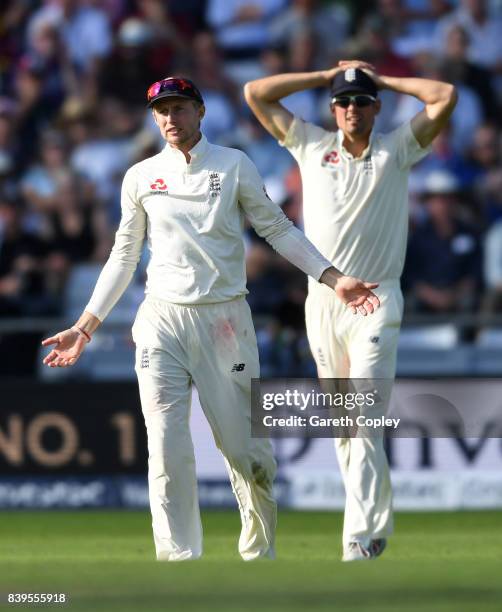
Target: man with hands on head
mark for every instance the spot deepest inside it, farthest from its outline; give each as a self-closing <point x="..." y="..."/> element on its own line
<point x="355" y="209"/>
<point x="194" y="325"/>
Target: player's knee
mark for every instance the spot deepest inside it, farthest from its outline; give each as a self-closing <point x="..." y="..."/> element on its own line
<point x="262" y="476"/>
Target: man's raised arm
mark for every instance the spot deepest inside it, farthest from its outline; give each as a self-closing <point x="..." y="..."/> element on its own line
<point x="263" y="96"/>
<point x="439" y="98"/>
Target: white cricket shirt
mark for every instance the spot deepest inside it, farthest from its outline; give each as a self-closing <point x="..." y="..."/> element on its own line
<point x="355" y="210"/>
<point x="193" y="215"/>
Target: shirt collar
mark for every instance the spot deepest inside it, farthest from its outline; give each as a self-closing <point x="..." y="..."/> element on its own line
<point x="345" y="153"/>
<point x="197" y="152"/>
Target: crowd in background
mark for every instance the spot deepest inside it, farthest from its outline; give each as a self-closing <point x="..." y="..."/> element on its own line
<point x="73" y="78"/>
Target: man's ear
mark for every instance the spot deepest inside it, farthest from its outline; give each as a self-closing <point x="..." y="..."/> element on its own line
<point x="202" y="111"/>
<point x="378" y="106"/>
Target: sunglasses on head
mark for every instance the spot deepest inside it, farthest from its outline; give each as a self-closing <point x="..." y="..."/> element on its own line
<point x="360" y="100"/>
<point x="174" y="85"/>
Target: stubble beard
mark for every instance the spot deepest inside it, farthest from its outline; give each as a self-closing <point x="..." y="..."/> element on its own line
<point x="183" y="138"/>
<point x="357" y="130"/>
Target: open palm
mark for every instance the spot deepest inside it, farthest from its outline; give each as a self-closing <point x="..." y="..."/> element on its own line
<point x="69" y="345"/>
<point x="357" y="295"/>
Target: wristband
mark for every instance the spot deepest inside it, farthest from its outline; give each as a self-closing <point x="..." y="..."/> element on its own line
<point x="82" y="333"/>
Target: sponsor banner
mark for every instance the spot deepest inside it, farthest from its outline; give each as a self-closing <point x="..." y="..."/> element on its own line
<point x="129" y="492"/>
<point x="412" y="490"/>
<point x="82" y="430"/>
<point x="71" y="428"/>
<point x="77" y="445"/>
<point x="309" y="490"/>
<point x="49" y="493"/>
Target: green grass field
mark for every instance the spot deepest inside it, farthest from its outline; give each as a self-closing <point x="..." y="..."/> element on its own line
<point x="104" y="561"/>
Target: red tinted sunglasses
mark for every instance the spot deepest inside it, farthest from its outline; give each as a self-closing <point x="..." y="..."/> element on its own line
<point x="175" y="86"/>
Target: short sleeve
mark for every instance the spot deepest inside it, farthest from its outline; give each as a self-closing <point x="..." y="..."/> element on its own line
<point x="408" y="149"/>
<point x="304" y="138"/>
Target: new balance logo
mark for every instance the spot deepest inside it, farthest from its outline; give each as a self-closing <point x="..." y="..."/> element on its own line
<point x="238" y="367"/>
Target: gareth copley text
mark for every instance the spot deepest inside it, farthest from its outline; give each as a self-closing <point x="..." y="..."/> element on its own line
<point x="294" y="421"/>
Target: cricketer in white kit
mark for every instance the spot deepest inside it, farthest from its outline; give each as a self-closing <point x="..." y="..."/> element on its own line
<point x="194" y="325"/>
<point x="355" y="209"/>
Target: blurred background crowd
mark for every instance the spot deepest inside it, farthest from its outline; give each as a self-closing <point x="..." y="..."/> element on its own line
<point x="73" y="78"/>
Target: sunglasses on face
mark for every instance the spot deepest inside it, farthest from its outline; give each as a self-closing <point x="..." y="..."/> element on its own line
<point x="174" y="85"/>
<point x="360" y="101"/>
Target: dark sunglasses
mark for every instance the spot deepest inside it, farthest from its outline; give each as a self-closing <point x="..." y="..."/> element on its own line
<point x="360" y="101"/>
<point x="174" y="85"/>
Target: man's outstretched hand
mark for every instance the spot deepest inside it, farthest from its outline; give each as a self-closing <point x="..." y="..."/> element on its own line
<point x="69" y="345"/>
<point x="357" y="295"/>
<point x="354" y="293"/>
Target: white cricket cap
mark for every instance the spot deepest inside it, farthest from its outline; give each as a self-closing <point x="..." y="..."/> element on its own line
<point x="441" y="181"/>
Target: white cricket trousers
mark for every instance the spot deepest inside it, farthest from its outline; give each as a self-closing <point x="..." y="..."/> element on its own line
<point x="345" y="345"/>
<point x="213" y="346"/>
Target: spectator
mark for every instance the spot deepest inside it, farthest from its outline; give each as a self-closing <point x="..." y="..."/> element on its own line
<point x="241" y="26"/>
<point x="483" y="30"/>
<point x="23" y="287"/>
<point x="85" y="30"/>
<point x="372" y="43"/>
<point x="443" y="260"/>
<point x="107" y="149"/>
<point x="48" y="55"/>
<point x="444" y="157"/>
<point x="128" y="70"/>
<point x="189" y="16"/>
<point x="167" y="43"/>
<point x="43" y="179"/>
<point x="486" y="156"/>
<point x="62" y="207"/>
<point x="86" y="34"/>
<point x="265" y="285"/>
<point x="8" y="146"/>
<point x="298" y="56"/>
<point x="328" y="23"/>
<point x="468" y="114"/>
<point x="301" y="54"/>
<point x="79" y="228"/>
<point x="33" y="113"/>
<point x="221" y="96"/>
<point x="208" y="67"/>
<point x="419" y="18"/>
<point x="462" y="70"/>
<point x="13" y="23"/>
<point x="273" y="162"/>
<point x="492" y="269"/>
